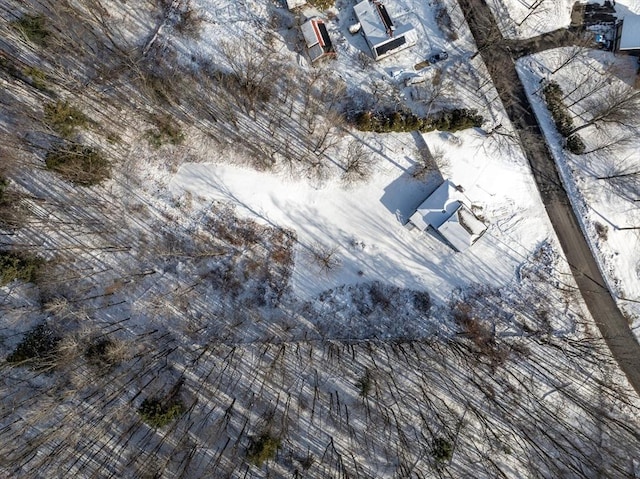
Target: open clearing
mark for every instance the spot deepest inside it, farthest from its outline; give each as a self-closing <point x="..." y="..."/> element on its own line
<point x="364" y="223"/>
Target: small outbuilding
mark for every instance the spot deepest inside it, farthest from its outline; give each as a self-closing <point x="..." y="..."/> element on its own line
<point x="445" y="215"/>
<point x="294" y="4"/>
<point x="383" y="36"/>
<point x="317" y="39"/>
<point x="628" y="35"/>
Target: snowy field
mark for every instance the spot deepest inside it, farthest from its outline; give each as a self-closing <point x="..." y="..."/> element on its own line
<point x="529" y="18"/>
<point x="364" y="224"/>
<point x="603" y="184"/>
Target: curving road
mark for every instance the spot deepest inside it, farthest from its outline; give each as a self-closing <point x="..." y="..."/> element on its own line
<point x="498" y="58"/>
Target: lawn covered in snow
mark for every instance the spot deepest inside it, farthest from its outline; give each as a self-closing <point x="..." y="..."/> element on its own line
<point x="364" y="224"/>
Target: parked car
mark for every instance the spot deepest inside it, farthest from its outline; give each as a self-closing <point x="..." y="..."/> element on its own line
<point x="438" y="57"/>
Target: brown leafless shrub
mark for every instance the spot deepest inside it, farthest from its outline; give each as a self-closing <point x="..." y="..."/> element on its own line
<point x="189" y="23"/>
<point x="324" y="257"/>
<point x="479" y="333"/>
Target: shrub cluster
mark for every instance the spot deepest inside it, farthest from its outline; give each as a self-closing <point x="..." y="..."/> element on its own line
<point x="64" y="118"/>
<point x="18" y="266"/>
<point x="442" y="450"/>
<point x="12" y="210"/>
<point x="553" y="95"/>
<point x="443" y="19"/>
<point x="37" y="78"/>
<point x="38" y="345"/>
<point x="364" y="384"/>
<point x="157" y="412"/>
<point x="33" y="76"/>
<point x="322" y="5"/>
<point x="79" y="164"/>
<point x="575" y="144"/>
<point x="262" y="448"/>
<point x="166" y="131"/>
<point x="104" y="353"/>
<point x="34" y="28"/>
<point x="397" y="121"/>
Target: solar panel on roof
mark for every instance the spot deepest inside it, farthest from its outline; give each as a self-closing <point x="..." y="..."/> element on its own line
<point x="386" y="19"/>
<point x="392" y="45"/>
<point x="325" y="36"/>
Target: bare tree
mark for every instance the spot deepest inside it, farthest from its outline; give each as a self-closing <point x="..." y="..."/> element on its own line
<point x="623" y="177"/>
<point x="537" y="9"/>
<point x="324" y="257"/>
<point x="358" y="163"/>
<point x="571" y="54"/>
<point x="252" y="74"/>
<point x="617" y="105"/>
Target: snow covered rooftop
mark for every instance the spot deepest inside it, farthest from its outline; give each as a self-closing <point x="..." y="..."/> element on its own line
<point x="317" y="38"/>
<point x="293" y="4"/>
<point x="438" y="207"/>
<point x="462" y="229"/>
<point x="383" y="36"/>
<point x="445" y="212"/>
<point x="630" y="35"/>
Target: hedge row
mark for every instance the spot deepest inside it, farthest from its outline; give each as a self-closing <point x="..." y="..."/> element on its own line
<point x="397" y="121"/>
<point x="553" y="95"/>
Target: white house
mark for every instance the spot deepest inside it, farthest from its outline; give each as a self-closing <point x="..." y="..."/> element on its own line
<point x="382" y="35"/>
<point x="317" y="38"/>
<point x="628" y="35"/>
<point x="445" y="214"/>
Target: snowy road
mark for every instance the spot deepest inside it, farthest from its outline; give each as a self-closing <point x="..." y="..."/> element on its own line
<point x="612" y="324"/>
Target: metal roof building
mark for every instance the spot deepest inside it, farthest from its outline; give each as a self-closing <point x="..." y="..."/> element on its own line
<point x="317" y="39"/>
<point x="383" y="36"/>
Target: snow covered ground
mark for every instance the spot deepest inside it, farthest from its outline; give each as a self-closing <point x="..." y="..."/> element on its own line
<point x="365" y="223"/>
<point x="529" y="18"/>
<point x="608" y="208"/>
<point x="499" y="382"/>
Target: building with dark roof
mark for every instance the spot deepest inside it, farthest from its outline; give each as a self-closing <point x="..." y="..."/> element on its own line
<point x="317" y="39"/>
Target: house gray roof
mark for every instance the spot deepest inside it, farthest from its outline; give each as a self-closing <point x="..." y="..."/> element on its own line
<point x="379" y="29"/>
<point x="317" y="38"/>
<point x="630" y="36"/>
